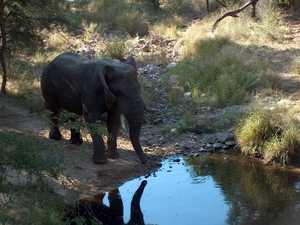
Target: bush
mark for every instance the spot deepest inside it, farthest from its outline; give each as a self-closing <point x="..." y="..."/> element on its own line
<point x="115" y="48"/>
<point x="32" y="199"/>
<point x="134" y="23"/>
<point x="220" y="73"/>
<point x="272" y="135"/>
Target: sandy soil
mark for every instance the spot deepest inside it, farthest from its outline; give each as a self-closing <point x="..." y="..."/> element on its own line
<point x="91" y="178"/>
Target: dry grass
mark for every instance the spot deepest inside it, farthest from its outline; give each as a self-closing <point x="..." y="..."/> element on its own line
<point x="271" y="133"/>
<point x="134" y="23"/>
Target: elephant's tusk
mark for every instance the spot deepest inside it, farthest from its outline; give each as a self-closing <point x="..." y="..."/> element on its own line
<point x="123" y="122"/>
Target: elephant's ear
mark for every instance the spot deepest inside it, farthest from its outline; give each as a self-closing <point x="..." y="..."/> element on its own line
<point x="110" y="98"/>
<point x="131" y="61"/>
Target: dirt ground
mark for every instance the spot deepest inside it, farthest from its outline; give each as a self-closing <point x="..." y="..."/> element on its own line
<point x="89" y="177"/>
<point x="92" y="178"/>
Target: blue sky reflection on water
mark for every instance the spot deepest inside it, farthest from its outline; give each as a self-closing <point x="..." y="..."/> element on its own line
<point x="177" y="196"/>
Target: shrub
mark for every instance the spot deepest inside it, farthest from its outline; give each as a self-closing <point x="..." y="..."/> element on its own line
<point x="220" y="73"/>
<point x="115" y="48"/>
<point x="134" y="23"/>
<point x="272" y="135"/>
<point x="33" y="200"/>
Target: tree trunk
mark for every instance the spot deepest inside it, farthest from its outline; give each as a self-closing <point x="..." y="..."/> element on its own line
<point x="3" y="47"/>
<point x="207" y="6"/>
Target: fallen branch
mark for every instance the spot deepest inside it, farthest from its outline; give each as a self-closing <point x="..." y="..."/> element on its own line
<point x="234" y="13"/>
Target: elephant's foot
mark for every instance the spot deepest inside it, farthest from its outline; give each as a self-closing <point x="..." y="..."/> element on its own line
<point x="99" y="157"/>
<point x="76" y="140"/>
<point x="113" y="154"/>
<point x="56" y="135"/>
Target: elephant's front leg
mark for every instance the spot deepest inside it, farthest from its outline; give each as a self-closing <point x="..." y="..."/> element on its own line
<point x="113" y="125"/>
<point x="76" y="138"/>
<point x="99" y="156"/>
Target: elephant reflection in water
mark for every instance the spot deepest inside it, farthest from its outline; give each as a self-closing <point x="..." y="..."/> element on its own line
<point x="93" y="208"/>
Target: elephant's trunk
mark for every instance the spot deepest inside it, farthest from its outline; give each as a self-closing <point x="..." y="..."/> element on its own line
<point x="135" y="119"/>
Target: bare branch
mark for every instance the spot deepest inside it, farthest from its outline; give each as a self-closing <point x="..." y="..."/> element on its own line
<point x="222" y="3"/>
<point x="234" y="13"/>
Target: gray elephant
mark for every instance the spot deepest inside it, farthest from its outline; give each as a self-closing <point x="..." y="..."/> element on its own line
<point x="90" y="88"/>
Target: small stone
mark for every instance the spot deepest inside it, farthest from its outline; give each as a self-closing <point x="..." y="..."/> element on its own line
<point x="171" y="65"/>
<point x="178" y="89"/>
<point x="174" y="131"/>
<point x="187" y="94"/>
<point x="230" y="143"/>
<point x="174" y="80"/>
<point x="158" y="121"/>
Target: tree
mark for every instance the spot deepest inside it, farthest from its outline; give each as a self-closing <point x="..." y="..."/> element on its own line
<point x="234" y="13"/>
<point x="21" y="22"/>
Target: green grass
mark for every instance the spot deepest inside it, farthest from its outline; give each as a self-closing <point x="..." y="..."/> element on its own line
<point x="30" y="200"/>
<point x="272" y="135"/>
<point x="221" y="73"/>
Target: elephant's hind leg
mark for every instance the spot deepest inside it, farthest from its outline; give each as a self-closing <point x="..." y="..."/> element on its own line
<point x="54" y="129"/>
<point x="76" y="138"/>
<point x="52" y="105"/>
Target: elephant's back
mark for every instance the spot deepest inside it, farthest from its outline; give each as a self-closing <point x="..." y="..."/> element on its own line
<point x="67" y="64"/>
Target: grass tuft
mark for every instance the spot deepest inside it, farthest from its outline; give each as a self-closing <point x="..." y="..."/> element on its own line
<point x="272" y="135"/>
<point x="115" y="48"/>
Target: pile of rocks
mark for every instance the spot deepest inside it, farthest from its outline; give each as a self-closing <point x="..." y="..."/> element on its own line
<point x="196" y="139"/>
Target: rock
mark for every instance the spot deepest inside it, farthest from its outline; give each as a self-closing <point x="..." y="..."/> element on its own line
<point x="174" y="131"/>
<point x="209" y="139"/>
<point x="230" y="143"/>
<point x="198" y="129"/>
<point x="174" y="80"/>
<point x="187" y="94"/>
<point x="151" y="69"/>
<point x="206" y="108"/>
<point x="158" y="121"/>
<point x="223" y="137"/>
<point x="176" y="160"/>
<point x="171" y="65"/>
<point x="178" y="89"/>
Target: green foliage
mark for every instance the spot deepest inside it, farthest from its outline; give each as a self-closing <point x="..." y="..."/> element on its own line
<point x="32" y="199"/>
<point x="115" y="48"/>
<point x="134" y="22"/>
<point x="89" y="29"/>
<point x="73" y="121"/>
<point x="106" y="12"/>
<point x="33" y="204"/>
<point x="25" y="19"/>
<point x="219" y="73"/>
<point x="20" y="152"/>
<point x="270" y="134"/>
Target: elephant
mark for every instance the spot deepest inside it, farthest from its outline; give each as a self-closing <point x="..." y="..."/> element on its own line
<point x="91" y="87"/>
<point x="91" y="208"/>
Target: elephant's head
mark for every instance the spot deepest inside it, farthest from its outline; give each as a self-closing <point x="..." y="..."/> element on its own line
<point x="122" y="89"/>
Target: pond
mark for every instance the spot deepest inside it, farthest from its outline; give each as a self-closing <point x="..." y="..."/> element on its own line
<point x="208" y="189"/>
